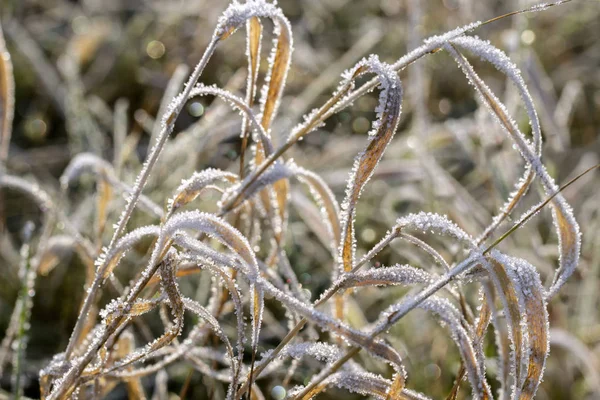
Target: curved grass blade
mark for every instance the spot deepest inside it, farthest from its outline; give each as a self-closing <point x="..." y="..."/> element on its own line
<point x="388" y="116"/>
<point x="564" y="221"/>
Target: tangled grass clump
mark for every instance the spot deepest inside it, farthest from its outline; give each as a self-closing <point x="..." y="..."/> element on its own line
<point x="209" y="265"/>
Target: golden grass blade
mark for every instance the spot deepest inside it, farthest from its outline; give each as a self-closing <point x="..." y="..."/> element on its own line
<point x="537" y="320"/>
<point x="388" y="110"/>
<point x="103" y="200"/>
<point x="395" y="390"/>
<point x="279" y="65"/>
<point x="482" y="323"/>
<point x="510" y="300"/>
<point x="526" y="282"/>
<point x="253" y="44"/>
<point x="7" y="99"/>
<point x="135" y="389"/>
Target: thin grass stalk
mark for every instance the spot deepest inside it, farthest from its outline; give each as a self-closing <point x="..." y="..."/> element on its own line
<point x="27" y="275"/>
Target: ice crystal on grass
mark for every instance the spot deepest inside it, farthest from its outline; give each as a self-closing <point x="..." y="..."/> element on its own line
<point x="192" y="187"/>
<point x="320" y="351"/>
<point x="433" y="223"/>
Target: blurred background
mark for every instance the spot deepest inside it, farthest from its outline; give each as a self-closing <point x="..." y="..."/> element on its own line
<point x="85" y="68"/>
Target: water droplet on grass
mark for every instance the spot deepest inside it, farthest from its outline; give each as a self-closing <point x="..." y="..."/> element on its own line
<point x="278" y="392"/>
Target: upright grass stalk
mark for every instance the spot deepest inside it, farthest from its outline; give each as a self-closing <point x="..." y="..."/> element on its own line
<point x="24" y="303"/>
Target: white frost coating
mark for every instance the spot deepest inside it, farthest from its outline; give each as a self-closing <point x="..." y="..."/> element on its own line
<point x="427" y="222"/>
<point x="234" y="293"/>
<point x="205" y="251"/>
<point x="382" y="132"/>
<point x="279" y="170"/>
<point x="309" y="120"/>
<point x="80" y="164"/>
<point x="502" y="63"/>
<point x="320" y="351"/>
<point x="168" y="124"/>
<point x="125" y="243"/>
<point x="389" y="84"/>
<point x="172" y="89"/>
<point x="252" y="72"/>
<point x="545" y="6"/>
<point x="521" y="185"/>
<point x="569" y="252"/>
<point x="437" y="257"/>
<point x="190" y="188"/>
<point x="212" y="226"/>
<point x="383" y="276"/>
<point x="226" y="234"/>
<point x="364" y="383"/>
<point x="239" y="104"/>
<point x="397" y="274"/>
<point x="401" y="309"/>
<point x="238" y="13"/>
<point x="430" y="44"/>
